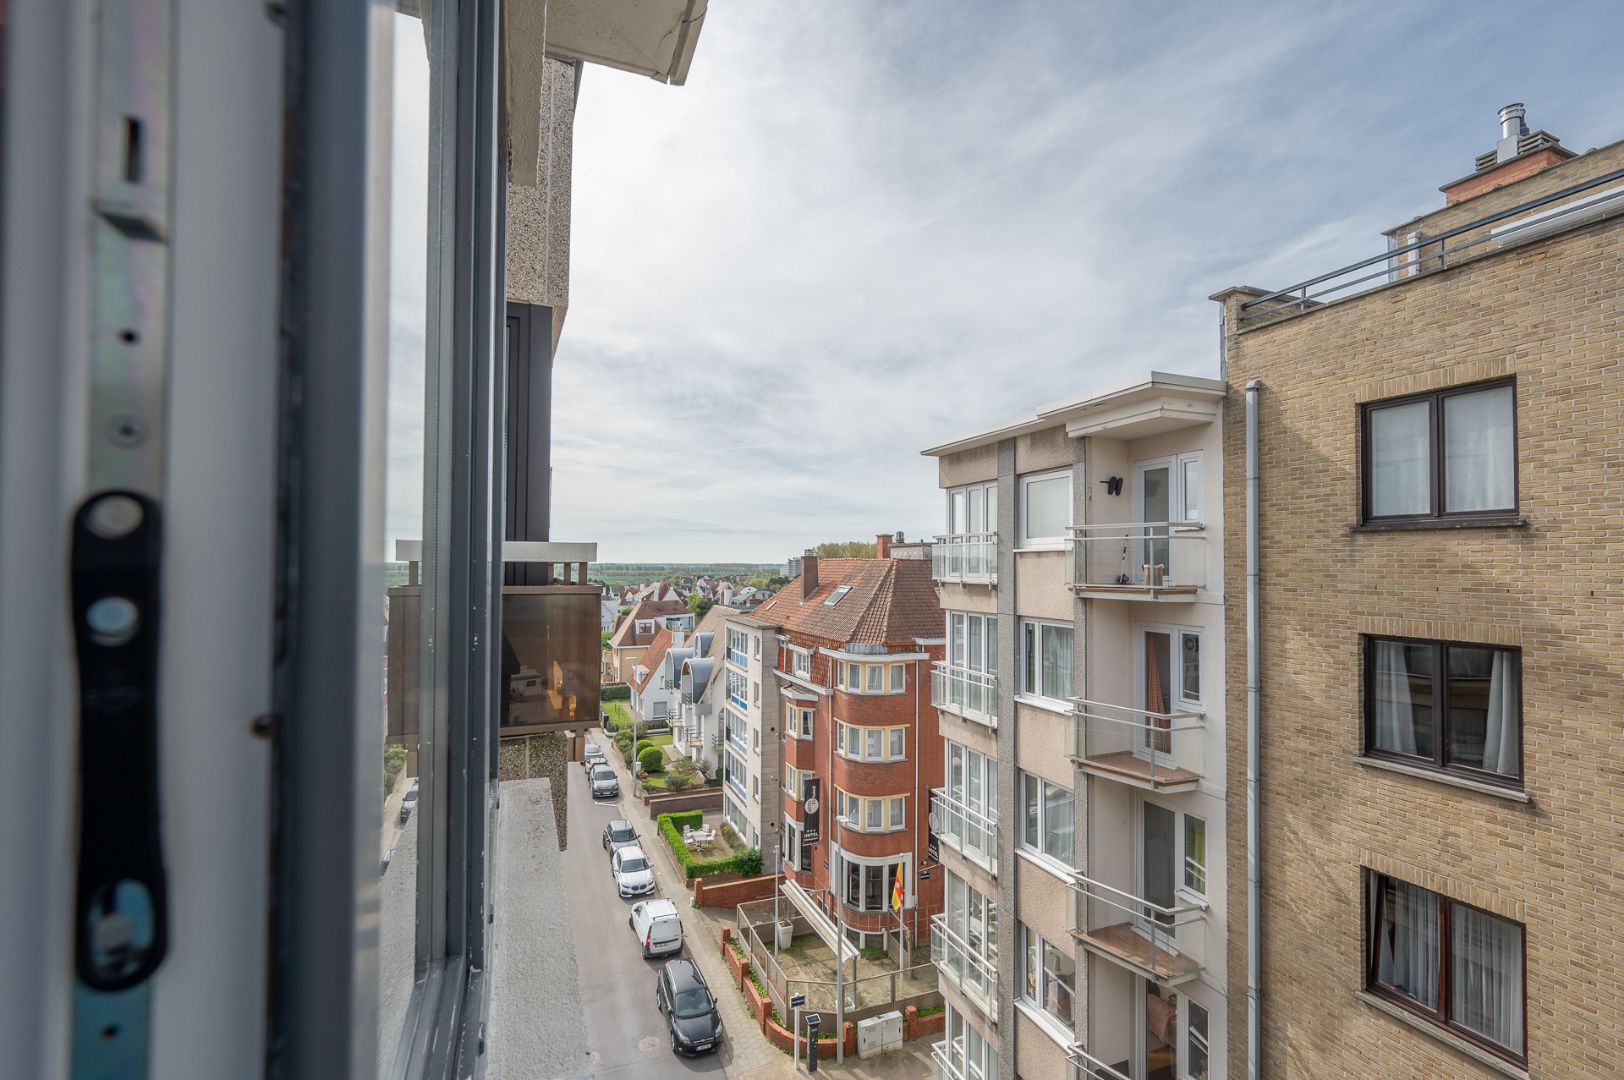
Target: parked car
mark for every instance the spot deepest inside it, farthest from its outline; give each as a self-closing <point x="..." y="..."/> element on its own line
<point x="408" y="802"/>
<point x="681" y="993"/>
<point x="604" y="784"/>
<point x="593" y="755"/>
<point x="657" y="927"/>
<point x="617" y="834"/>
<point x="633" y="874"/>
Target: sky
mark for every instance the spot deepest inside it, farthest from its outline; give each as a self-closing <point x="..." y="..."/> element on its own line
<point x="863" y="228"/>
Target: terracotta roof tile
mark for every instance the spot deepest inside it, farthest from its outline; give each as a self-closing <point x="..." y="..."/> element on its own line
<point x="891" y="602"/>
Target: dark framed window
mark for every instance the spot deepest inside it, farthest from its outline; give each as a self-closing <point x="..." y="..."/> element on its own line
<point x="1452" y="706"/>
<point x="1447" y="454"/>
<point x="1452" y="964"/>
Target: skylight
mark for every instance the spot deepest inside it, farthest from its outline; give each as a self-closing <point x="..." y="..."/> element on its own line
<point x="837" y="596"/>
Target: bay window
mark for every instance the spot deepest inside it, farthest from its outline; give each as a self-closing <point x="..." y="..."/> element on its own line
<point x="867" y="884"/>
<point x="870" y="743"/>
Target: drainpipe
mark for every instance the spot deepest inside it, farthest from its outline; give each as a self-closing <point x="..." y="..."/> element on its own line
<point x="1254" y="948"/>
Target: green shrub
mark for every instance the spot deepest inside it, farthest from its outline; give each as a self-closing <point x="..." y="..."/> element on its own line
<point x="394" y="760"/>
<point x="617" y="692"/>
<point x="652" y="759"/>
<point x="671" y="828"/>
<point x="676" y="781"/>
<point x="932" y="1010"/>
<point x="623" y="742"/>
<point x="748" y="862"/>
<point x="642" y="744"/>
<point x="731" y="835"/>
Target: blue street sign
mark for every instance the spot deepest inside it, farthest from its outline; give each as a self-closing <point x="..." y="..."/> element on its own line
<point x="797" y="1000"/>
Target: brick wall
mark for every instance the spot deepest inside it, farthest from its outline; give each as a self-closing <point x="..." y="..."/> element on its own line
<point x="1551" y="314"/>
<point x="731" y="891"/>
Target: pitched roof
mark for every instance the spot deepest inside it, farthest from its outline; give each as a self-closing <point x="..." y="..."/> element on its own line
<point x="890" y="602"/>
<point x="626" y="633"/>
<point x="650" y="661"/>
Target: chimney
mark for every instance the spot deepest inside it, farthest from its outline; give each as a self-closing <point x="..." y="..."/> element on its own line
<point x="882" y="546"/>
<point x="809" y="575"/>
<point x="1517" y="154"/>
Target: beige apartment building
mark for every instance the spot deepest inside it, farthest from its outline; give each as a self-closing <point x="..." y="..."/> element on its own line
<point x="1083" y="820"/>
<point x="1440" y="628"/>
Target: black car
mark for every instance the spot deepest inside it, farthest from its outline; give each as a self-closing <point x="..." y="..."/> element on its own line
<point x="681" y="993"/>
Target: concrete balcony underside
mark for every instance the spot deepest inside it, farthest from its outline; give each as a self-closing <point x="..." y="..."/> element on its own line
<point x="1129" y="768"/>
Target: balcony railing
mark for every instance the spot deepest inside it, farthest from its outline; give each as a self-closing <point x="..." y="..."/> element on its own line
<point x="973" y="974"/>
<point x="1152" y="750"/>
<point x="947" y="1060"/>
<point x="968" y="693"/>
<point x="737" y="786"/>
<point x="1090" y="1067"/>
<point x="1166" y="944"/>
<point x="1138" y="559"/>
<point x="968" y="832"/>
<point x="970" y="558"/>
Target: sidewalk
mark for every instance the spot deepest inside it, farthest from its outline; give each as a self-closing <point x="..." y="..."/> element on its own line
<point x="746" y="1054"/>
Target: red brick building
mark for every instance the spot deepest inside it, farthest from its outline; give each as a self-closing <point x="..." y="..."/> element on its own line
<point x="857" y="638"/>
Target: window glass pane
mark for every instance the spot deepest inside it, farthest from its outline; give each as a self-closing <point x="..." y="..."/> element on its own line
<point x="1030" y="802"/>
<point x="1401" y="698"/>
<point x="898" y="738"/>
<point x="1400" y="456"/>
<point x="898" y="812"/>
<point x="1059" y="979"/>
<point x="875" y="740"/>
<point x="1406" y="940"/>
<point x="1048" y="508"/>
<point x="1484" y="709"/>
<point x="1057" y="822"/>
<point x="1480" y="456"/>
<point x="1057" y="662"/>
<point x="955" y="771"/>
<point x="899" y="678"/>
<point x="1190" y="668"/>
<point x="955" y="512"/>
<point x="876" y="678"/>
<point x="1195" y="854"/>
<point x="1029" y="656"/>
<point x="876" y="809"/>
<point x="408" y="784"/>
<point x="973" y="654"/>
<point x="1486" y="975"/>
<point x="1190" y="484"/>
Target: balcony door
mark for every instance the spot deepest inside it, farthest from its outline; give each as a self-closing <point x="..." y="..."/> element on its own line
<point x="1169" y="492"/>
<point x="1169" y="681"/>
<point x="1159" y="860"/>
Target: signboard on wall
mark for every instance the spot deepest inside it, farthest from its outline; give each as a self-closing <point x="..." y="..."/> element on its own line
<point x="812" y="806"/>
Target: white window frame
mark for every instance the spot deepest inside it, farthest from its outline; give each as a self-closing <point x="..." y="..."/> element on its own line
<point x="1021" y="776"/>
<point x="800" y="661"/>
<point x="1187" y="1034"/>
<point x="1027" y="540"/>
<point x="1184" y="885"/>
<point x="1179" y="888"/>
<point x="793" y="728"/>
<point x="959" y="655"/>
<point x="863" y="733"/>
<point x="860" y="813"/>
<point x="1180" y="700"/>
<point x="1036" y="692"/>
<point x="986" y="496"/>
<point x="1025" y="936"/>
<point x="838" y="881"/>
<point x="899" y="678"/>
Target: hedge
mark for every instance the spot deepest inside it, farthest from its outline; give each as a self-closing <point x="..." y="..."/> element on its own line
<point x="746" y="862"/>
<point x="652" y="759"/>
<point x="617" y="692"/>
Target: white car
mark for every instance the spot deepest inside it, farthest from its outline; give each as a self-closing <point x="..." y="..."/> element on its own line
<point x="633" y="875"/>
<point x="657" y="927"/>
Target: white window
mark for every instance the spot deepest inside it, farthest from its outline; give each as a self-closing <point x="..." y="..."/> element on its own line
<point x="1171" y="674"/>
<point x="755" y="788"/>
<point x="972" y="510"/>
<point x="798" y="722"/>
<point x="756" y="644"/>
<point x="645" y="627"/>
<point x="899" y="812"/>
<point x="877" y="815"/>
<point x="792" y="782"/>
<point x="755" y="738"/>
<point x="1046" y="661"/>
<point x="1047" y="818"/>
<point x="972" y="641"/>
<point x="897" y="747"/>
<point x="800" y="661"/>
<point x="660" y="710"/>
<point x="1048" y="975"/>
<point x="1045" y="508"/>
<point x="876" y="678"/>
<point x="871" y="743"/>
<point x="866" y="883"/>
<point x="1198" y="1051"/>
<point x="755" y="693"/>
<point x="854" y="677"/>
<point x="1195" y="855"/>
<point x="899" y="678"/>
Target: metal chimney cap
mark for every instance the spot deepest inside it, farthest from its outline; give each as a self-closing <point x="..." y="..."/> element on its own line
<point x="1512" y="122"/>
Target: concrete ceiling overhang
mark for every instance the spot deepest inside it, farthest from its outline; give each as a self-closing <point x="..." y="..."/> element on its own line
<point x="655" y="38"/>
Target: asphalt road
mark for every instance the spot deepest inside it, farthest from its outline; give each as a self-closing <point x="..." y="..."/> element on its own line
<point x="625" y="1036"/>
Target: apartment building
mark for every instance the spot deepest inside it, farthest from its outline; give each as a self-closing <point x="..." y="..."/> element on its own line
<point x="856" y="639"/>
<point x="1439" y="642"/>
<point x="1082" y="821"/>
<point x="750" y="713"/>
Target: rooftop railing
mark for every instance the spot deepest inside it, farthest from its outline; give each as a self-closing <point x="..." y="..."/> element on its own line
<point x="968" y="558"/>
<point x="974" y="975"/>
<point x="967" y="831"/>
<point x="965" y="692"/>
<point x="1161" y="751"/>
<point x="1138" y="559"/>
<point x="1155" y="941"/>
<point x="1430" y="254"/>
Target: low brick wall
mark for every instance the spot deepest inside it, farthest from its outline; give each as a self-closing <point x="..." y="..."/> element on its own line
<point x="915" y="1026"/>
<point x="730" y="890"/>
<point x="675" y="803"/>
<point x="761" y="1009"/>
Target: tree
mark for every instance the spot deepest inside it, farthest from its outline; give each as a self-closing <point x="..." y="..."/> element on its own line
<point x="700" y="604"/>
<point x="845" y="549"/>
<point x="603" y="638"/>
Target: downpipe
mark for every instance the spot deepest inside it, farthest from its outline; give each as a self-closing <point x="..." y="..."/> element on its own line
<point x="1254" y="947"/>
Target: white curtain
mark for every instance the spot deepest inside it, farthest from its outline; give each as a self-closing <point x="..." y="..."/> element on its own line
<point x="1048" y="508"/>
<point x="1057" y="662"/>
<point x="1407" y="940"/>
<point x="1500" y="732"/>
<point x="1401" y="459"/>
<point x="1395" y="722"/>
<point x="1486" y="976"/>
<point x="1480" y="460"/>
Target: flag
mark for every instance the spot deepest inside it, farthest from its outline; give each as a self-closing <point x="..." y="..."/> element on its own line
<point x="896" y="891"/>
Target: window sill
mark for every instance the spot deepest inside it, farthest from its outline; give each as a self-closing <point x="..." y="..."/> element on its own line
<point x="1051" y="1027"/>
<point x="1046" y="704"/>
<point x="1047" y="863"/>
<point x="1451" y="779"/>
<point x="1443" y="1035"/>
<point x="1435" y="524"/>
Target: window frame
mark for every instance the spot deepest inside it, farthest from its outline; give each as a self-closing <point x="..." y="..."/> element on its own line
<point x="1439" y="762"/>
<point x="1037" y="672"/>
<point x="864" y="732"/>
<point x="1370" y="882"/>
<point x="1042" y="817"/>
<point x="1437" y="467"/>
<point x="1030" y="943"/>
<point x="1027" y="540"/>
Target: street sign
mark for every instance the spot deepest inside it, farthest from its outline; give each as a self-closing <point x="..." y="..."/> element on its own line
<point x="797" y="1000"/>
<point x="924" y="873"/>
